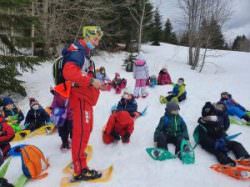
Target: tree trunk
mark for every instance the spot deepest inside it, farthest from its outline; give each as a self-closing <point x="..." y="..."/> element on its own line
<point x="45" y="27"/>
<point x="204" y="55"/>
<point x="196" y="56"/>
<point x="32" y="29"/>
<point x="141" y="26"/>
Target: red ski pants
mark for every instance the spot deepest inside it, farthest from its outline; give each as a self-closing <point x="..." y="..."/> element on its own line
<point x="82" y="127"/>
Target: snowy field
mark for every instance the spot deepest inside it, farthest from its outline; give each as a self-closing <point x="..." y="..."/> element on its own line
<point x="132" y="166"/>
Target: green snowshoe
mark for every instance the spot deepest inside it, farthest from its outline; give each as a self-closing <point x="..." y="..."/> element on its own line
<point x="159" y="154"/>
<point x="186" y="152"/>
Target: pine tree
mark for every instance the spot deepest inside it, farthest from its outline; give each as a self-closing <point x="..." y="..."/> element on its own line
<point x="121" y="28"/>
<point x="217" y="40"/>
<point x="241" y="43"/>
<point x="157" y="29"/>
<point x="211" y="35"/>
<point x="168" y="35"/>
<point x="15" y="25"/>
<point x="184" y="39"/>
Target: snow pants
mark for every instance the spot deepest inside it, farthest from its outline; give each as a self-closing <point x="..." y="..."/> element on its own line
<point x="82" y="127"/>
<point x="120" y="123"/>
<point x="140" y="87"/>
<point x="180" y="98"/>
<point x="236" y="111"/>
<point x="236" y="147"/>
<point x="65" y="131"/>
<point x="163" y="141"/>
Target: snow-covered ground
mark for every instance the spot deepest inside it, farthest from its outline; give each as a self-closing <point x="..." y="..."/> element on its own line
<point x="132" y="166"/>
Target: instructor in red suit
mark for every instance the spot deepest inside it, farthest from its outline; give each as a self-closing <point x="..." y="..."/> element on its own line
<point x="83" y="96"/>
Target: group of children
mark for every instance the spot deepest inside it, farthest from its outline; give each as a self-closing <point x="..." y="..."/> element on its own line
<point x="35" y="118"/>
<point x="211" y="129"/>
<point x="10" y="122"/>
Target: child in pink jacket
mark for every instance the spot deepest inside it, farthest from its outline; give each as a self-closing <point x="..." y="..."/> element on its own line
<point x="141" y="76"/>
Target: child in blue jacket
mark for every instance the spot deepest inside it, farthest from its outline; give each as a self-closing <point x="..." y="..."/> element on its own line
<point x="12" y="114"/>
<point x="234" y="108"/>
<point x="128" y="103"/>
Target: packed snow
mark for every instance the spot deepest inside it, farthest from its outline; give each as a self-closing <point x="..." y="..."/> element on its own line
<point x="229" y="71"/>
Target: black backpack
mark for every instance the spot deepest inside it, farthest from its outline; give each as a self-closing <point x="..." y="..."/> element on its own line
<point x="58" y="71"/>
<point x="76" y="56"/>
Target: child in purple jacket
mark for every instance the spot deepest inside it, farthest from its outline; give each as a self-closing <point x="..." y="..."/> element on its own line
<point x="62" y="117"/>
<point x="141" y="76"/>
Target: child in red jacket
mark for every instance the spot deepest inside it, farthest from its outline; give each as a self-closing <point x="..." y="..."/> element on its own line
<point x="120" y="125"/>
<point x="6" y="135"/>
<point x="164" y="77"/>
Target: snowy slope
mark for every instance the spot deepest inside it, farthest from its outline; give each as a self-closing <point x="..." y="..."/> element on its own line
<point x="132" y="167"/>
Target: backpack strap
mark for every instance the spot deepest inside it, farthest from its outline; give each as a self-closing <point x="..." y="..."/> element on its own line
<point x="43" y="173"/>
<point x="39" y="152"/>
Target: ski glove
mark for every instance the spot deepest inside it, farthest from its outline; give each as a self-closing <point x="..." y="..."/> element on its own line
<point x="220" y="145"/>
<point x="115" y="135"/>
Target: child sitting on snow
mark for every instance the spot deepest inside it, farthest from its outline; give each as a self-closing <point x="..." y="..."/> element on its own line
<point x="120" y="125"/>
<point x="234" y="108"/>
<point x="212" y="134"/>
<point x="164" y="77"/>
<point x="171" y="128"/>
<point x="141" y="76"/>
<point x="128" y="103"/>
<point x="102" y="76"/>
<point x="6" y="135"/>
<point x="12" y="114"/>
<point x="36" y="116"/>
<point x="118" y="83"/>
<point x="121" y="122"/>
<point x="178" y="93"/>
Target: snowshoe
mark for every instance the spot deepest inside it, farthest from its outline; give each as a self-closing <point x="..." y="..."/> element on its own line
<point x="237" y="121"/>
<point x="186" y="152"/>
<point x="87" y="174"/>
<point x="89" y="153"/>
<point x="238" y="172"/>
<point x="106" y="176"/>
<point x="163" y="99"/>
<point x="243" y="162"/>
<point x="159" y="154"/>
<point x="21" y="135"/>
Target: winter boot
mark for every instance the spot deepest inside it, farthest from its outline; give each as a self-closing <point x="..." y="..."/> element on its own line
<point x="88" y="174"/>
<point x="246" y="117"/>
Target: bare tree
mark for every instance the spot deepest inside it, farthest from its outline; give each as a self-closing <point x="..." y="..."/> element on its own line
<point x="63" y="20"/>
<point x="195" y="11"/>
<point x="138" y="17"/>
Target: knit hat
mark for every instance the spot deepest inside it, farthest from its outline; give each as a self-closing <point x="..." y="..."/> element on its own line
<point x="7" y="101"/>
<point x="225" y="94"/>
<point x="117" y="75"/>
<point x="128" y="91"/>
<point x="172" y="106"/>
<point x="33" y="102"/>
<point x="141" y="57"/>
<point x="208" y="109"/>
